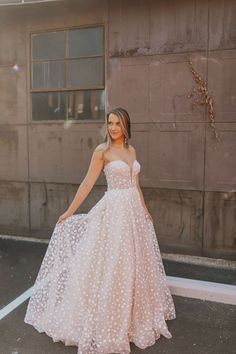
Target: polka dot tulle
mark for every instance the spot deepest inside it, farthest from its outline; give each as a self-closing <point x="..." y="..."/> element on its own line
<point x="102" y="284"/>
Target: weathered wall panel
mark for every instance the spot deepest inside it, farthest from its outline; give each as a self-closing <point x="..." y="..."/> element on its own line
<point x="49" y="200"/>
<point x="126" y="78"/>
<point x="219" y="224"/>
<point x="128" y="28"/>
<point x="151" y="27"/>
<point x="12" y="38"/>
<point x="221" y="159"/>
<point x="51" y="15"/>
<point x="178" y="152"/>
<point x="14" y="207"/>
<point x="171" y="82"/>
<point x="13" y="99"/>
<point x="178" y="217"/>
<point x="174" y="30"/>
<point x="222" y="29"/>
<point x="13" y="156"/>
<point x="222" y="84"/>
<point x="61" y="154"/>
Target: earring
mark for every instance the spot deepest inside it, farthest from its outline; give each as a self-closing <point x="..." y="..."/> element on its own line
<point x="126" y="141"/>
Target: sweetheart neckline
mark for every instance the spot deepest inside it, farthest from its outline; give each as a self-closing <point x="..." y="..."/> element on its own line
<point x="130" y="167"/>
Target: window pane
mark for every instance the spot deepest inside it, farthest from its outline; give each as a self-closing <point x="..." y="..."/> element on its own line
<point x="49" y="105"/>
<point x="86" y="105"/>
<point x="85" y="73"/>
<point x="48" y="45"/>
<point x="85" y="42"/>
<point x="48" y="75"/>
<point x="77" y="105"/>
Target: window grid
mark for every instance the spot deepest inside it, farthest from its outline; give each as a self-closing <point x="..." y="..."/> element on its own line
<point x="71" y="94"/>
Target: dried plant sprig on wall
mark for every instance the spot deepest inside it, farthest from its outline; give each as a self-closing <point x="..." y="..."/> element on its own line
<point x="204" y="98"/>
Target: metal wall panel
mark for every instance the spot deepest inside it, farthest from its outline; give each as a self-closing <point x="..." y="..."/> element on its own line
<point x="178" y="26"/>
<point x="222" y="83"/>
<point x="13" y="153"/>
<point x="171" y="82"/>
<point x="221" y="159"/>
<point x="12" y="39"/>
<point x="13" y="95"/>
<point x="222" y="29"/>
<point x="177" y="155"/>
<point x="125" y="79"/>
<point x="219" y="224"/>
<point x="129" y="27"/>
<point x="14" y="207"/>
<point x="61" y="154"/>
<point x="151" y="27"/>
<point x="53" y="15"/>
<point x="178" y="217"/>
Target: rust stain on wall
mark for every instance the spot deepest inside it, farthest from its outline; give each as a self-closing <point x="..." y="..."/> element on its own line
<point x="9" y="139"/>
<point x="132" y="52"/>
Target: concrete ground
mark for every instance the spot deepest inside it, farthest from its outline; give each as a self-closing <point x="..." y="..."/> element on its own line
<point x="201" y="327"/>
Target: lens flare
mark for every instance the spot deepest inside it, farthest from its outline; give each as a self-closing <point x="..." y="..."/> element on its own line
<point x="16" y="67"/>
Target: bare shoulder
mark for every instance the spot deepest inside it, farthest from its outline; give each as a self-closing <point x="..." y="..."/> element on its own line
<point x="132" y="149"/>
<point x="101" y="147"/>
<point x="99" y="150"/>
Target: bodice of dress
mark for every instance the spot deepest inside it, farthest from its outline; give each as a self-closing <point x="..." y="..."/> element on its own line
<point x="120" y="175"/>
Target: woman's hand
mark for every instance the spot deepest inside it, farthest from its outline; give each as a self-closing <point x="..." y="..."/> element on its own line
<point x="148" y="216"/>
<point x="63" y="217"/>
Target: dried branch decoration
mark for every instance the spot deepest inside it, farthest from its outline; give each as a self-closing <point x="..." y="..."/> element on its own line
<point x="204" y="98"/>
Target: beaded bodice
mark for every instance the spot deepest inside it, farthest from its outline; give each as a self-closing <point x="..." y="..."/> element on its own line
<point x="120" y="175"/>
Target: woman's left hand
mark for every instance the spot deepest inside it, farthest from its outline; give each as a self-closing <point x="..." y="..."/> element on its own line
<point x="148" y="216"/>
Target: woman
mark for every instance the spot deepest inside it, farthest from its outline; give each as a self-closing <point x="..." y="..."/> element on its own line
<point x="102" y="284"/>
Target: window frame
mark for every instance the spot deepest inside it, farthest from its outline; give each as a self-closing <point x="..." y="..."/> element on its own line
<point x="99" y="88"/>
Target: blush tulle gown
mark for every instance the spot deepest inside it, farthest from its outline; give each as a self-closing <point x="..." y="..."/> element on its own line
<point x="102" y="284"/>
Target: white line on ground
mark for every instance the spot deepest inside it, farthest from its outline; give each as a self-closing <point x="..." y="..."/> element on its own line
<point x="181" y="258"/>
<point x="15" y="303"/>
<point x="196" y="289"/>
<point x="204" y="290"/>
<point x="199" y="260"/>
<point x="23" y="238"/>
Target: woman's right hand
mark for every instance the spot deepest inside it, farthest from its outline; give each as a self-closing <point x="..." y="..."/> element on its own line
<point x="63" y="217"/>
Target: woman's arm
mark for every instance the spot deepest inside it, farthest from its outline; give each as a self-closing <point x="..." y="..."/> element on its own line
<point x="87" y="184"/>
<point x="142" y="198"/>
<point x="140" y="191"/>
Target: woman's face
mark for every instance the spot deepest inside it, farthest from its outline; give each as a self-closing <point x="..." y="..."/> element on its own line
<point x="114" y="127"/>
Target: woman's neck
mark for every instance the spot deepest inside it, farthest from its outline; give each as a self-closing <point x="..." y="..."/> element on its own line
<point x="118" y="144"/>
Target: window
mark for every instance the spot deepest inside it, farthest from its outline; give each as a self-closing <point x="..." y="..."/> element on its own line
<point x="67" y="74"/>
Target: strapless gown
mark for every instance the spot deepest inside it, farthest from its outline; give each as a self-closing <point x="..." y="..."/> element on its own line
<point x="102" y="284"/>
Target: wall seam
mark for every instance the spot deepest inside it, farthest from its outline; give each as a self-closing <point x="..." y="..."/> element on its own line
<point x="206" y="126"/>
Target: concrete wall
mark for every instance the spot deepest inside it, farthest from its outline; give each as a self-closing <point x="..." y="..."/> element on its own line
<point x="188" y="178"/>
